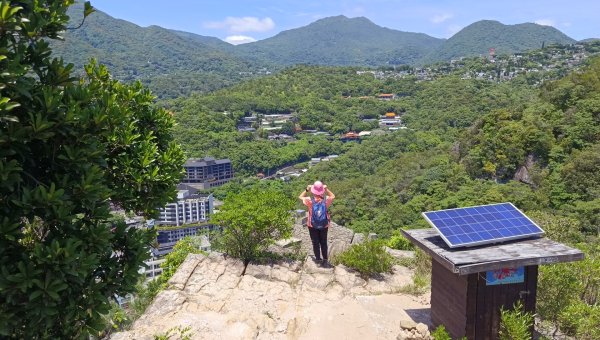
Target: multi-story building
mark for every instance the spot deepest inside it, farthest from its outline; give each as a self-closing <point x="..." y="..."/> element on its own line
<point x="205" y="173"/>
<point x="167" y="238"/>
<point x="153" y="268"/>
<point x="189" y="208"/>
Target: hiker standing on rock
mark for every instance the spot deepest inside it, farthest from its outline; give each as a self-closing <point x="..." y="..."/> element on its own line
<point x="318" y="217"/>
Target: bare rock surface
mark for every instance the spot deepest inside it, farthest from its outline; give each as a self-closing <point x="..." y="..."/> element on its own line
<point x="288" y="300"/>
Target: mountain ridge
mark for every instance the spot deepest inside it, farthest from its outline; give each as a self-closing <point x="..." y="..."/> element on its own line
<point x="478" y="37"/>
<point x="342" y="41"/>
<point x="175" y="63"/>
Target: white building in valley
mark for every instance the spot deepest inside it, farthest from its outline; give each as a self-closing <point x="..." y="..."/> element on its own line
<point x="189" y="208"/>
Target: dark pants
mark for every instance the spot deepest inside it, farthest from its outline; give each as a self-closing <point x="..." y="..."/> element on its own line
<point x="319" y="242"/>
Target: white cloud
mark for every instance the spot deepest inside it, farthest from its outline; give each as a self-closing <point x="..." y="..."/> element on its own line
<point x="239" y="39"/>
<point x="545" y="22"/>
<point x="438" y="19"/>
<point x="243" y="24"/>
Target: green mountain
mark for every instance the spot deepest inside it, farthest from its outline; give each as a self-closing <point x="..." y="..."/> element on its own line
<point x="480" y="36"/>
<point x="175" y="63"/>
<point x="170" y="63"/>
<point x="341" y="41"/>
<point x="213" y="42"/>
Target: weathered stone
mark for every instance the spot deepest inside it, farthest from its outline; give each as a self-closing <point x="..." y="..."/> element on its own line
<point x="179" y="279"/>
<point x="284" y="300"/>
<point x="335" y="233"/>
<point x="288" y="242"/>
<point x="422" y="329"/>
<point x="522" y="174"/>
<point x="358" y="238"/>
<point x="408" y="324"/>
<point x="347" y="279"/>
<point x="400" y="254"/>
<point x="336" y="247"/>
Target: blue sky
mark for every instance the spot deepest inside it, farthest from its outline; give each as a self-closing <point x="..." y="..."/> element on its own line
<point x="239" y="21"/>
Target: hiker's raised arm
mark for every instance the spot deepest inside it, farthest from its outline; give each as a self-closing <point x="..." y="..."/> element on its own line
<point x="330" y="195"/>
<point x="303" y="193"/>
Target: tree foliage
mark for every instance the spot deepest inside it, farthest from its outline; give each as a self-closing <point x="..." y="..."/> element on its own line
<point x="68" y="150"/>
<point x="170" y="63"/>
<point x="252" y="220"/>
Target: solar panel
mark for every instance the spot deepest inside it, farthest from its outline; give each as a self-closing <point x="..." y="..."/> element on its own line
<point x="484" y="224"/>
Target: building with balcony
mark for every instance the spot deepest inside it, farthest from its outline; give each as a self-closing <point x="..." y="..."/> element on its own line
<point x="167" y="238"/>
<point x="205" y="173"/>
<point x="189" y="208"/>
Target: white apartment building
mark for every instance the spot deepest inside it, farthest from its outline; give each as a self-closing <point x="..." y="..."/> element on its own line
<point x="189" y="208"/>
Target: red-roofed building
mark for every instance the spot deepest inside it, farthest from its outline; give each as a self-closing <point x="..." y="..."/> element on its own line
<point x="386" y="96"/>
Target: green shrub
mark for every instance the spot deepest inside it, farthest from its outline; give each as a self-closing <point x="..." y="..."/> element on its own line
<point x="175" y="333"/>
<point x="581" y="321"/>
<point x="440" y="333"/>
<point x="398" y="241"/>
<point x="515" y="324"/>
<point x="421" y="264"/>
<point x="368" y="258"/>
<point x="566" y="290"/>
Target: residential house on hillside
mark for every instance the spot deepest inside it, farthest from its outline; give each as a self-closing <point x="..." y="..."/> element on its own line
<point x="274" y="121"/>
<point x="390" y="121"/>
<point x="281" y="136"/>
<point x="386" y="96"/>
<point x="350" y="137"/>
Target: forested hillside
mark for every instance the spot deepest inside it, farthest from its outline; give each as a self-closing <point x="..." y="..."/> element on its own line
<point x="320" y="98"/>
<point x="479" y="37"/>
<point x="174" y="63"/>
<point x="170" y="63"/>
<point x="342" y="41"/>
<point x="467" y="142"/>
<point x="537" y="148"/>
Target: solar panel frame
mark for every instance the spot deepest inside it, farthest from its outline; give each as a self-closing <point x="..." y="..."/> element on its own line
<point x="482" y="224"/>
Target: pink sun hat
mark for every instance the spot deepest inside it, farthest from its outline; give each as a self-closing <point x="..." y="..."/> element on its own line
<point x="318" y="188"/>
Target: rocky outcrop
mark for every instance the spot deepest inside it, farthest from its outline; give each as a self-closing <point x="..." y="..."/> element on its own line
<point x="338" y="237"/>
<point x="522" y="174"/>
<point x="287" y="300"/>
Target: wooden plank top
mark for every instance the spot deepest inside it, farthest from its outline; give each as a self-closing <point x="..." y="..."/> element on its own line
<point x="525" y="252"/>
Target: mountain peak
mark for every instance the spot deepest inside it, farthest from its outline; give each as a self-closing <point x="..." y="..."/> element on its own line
<point x="340" y="40"/>
<point x="478" y="37"/>
<point x="342" y="19"/>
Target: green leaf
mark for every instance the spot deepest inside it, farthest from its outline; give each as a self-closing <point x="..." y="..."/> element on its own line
<point x="35" y="294"/>
<point x="88" y="9"/>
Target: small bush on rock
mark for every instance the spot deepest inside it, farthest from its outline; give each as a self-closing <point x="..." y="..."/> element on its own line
<point x="398" y="241"/>
<point x="368" y="258"/>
